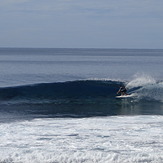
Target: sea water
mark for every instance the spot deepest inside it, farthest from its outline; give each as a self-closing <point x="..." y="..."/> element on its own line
<point x="59" y="105"/>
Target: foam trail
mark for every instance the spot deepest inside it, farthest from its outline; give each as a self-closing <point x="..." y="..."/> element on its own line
<point x="152" y="92"/>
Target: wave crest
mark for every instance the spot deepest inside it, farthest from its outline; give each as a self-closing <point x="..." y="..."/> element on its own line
<point x="144" y="87"/>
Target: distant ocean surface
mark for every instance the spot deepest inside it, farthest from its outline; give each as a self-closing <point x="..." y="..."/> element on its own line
<point x="60" y="105"/>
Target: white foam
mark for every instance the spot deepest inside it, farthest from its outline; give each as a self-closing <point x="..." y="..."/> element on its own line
<point x="140" y="80"/>
<point x="154" y="91"/>
<point x="104" y="79"/>
<point x="89" y="140"/>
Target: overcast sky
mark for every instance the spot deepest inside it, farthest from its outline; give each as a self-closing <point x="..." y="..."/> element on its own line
<point x="81" y="23"/>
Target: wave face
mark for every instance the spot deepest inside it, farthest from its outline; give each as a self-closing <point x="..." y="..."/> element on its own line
<point x="84" y="98"/>
<point x="66" y="90"/>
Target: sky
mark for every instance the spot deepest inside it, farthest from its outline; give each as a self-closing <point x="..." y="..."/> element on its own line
<point x="81" y="23"/>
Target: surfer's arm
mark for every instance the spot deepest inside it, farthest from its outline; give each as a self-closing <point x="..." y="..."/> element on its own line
<point x="118" y="92"/>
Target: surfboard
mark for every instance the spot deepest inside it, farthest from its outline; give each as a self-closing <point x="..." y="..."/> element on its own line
<point x="125" y="96"/>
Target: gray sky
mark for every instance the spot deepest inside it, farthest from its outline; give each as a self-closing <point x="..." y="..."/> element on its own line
<point x="81" y="23"/>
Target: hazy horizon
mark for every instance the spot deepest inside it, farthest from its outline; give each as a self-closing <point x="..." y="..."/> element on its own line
<point x="121" y="24"/>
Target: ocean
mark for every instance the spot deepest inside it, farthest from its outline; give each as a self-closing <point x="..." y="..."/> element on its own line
<point x="60" y="105"/>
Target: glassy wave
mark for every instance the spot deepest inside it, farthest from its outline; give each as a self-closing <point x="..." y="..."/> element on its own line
<point x="84" y="98"/>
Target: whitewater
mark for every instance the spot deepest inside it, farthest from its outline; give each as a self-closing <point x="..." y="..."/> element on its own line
<point x="60" y="105"/>
<point x="103" y="139"/>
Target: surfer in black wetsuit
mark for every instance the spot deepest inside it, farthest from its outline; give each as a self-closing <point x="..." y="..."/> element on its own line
<point x="122" y="91"/>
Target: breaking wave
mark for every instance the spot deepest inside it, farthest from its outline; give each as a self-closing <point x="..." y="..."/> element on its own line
<point x="65" y="90"/>
<point x="85" y="97"/>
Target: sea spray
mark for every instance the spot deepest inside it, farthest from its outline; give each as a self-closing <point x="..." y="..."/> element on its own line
<point x="140" y="80"/>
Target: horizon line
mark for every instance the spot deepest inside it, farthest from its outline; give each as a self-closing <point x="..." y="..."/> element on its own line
<point x="81" y="48"/>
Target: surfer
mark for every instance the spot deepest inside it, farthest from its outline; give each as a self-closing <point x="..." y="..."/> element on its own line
<point x="122" y="91"/>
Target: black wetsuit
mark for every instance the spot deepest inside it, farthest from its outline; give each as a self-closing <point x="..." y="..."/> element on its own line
<point x="123" y="90"/>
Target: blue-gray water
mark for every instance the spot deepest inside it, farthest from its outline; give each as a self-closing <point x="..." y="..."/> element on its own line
<point x="28" y="66"/>
<point x="45" y="89"/>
